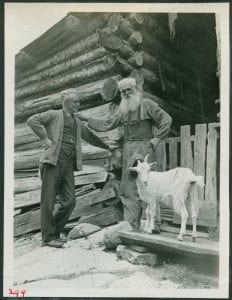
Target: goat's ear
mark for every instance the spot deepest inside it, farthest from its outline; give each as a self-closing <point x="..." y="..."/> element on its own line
<point x="132" y="169"/>
<point x="153" y="164"/>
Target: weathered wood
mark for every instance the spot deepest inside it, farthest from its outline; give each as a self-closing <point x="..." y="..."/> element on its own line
<point x="106" y="217"/>
<point x="100" y="68"/>
<point x="163" y="242"/>
<point x="160" y="156"/>
<point x="186" y="148"/>
<point x="211" y="161"/>
<point x="188" y="232"/>
<point x="200" y="155"/>
<point x="91" y="178"/>
<point x="21" y="185"/>
<point x="172" y="153"/>
<point x="30" y="221"/>
<point x="63" y="34"/>
<point x="77" y="62"/>
<point x="30" y="159"/>
<point x="27" y="199"/>
<point x="119" y="25"/>
<point x="89" y="95"/>
<point x="110" y="90"/>
<point x="76" y="49"/>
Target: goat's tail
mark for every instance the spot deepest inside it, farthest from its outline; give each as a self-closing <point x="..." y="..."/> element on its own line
<point x="198" y="180"/>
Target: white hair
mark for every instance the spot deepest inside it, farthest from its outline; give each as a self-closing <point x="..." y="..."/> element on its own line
<point x="126" y="83"/>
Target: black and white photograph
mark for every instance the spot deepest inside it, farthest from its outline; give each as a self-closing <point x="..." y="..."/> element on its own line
<point x="116" y="150"/>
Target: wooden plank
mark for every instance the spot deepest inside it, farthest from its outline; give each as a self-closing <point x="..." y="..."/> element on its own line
<point x="91" y="178"/>
<point x="200" y="155"/>
<point x="211" y="161"/>
<point x="186" y="149"/>
<point x="31" y="183"/>
<point x="27" y="199"/>
<point x="30" y="221"/>
<point x="188" y="232"/>
<point x="105" y="217"/>
<point x="172" y="153"/>
<point x="160" y="155"/>
<point x="164" y="243"/>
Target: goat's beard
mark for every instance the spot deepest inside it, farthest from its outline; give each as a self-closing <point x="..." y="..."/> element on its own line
<point x="130" y="104"/>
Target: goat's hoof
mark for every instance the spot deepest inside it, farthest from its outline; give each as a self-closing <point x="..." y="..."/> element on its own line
<point x="148" y="231"/>
<point x="179" y="238"/>
<point x="194" y="238"/>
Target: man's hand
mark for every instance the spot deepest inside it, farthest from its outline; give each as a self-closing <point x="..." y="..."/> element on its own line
<point x="81" y="117"/>
<point x="47" y="142"/>
<point x="155" y="142"/>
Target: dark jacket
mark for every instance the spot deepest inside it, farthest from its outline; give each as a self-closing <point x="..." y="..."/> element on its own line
<point x="50" y="124"/>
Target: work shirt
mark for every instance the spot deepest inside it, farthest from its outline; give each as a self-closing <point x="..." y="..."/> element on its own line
<point x="68" y="144"/>
<point x="149" y="111"/>
<point x="50" y="124"/>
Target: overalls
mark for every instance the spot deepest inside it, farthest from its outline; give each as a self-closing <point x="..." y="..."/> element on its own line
<point x="137" y="136"/>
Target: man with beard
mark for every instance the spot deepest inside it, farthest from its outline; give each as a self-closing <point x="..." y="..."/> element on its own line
<point x="61" y="132"/>
<point x="138" y="116"/>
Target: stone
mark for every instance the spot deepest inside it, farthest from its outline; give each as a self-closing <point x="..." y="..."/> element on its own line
<point x="139" y="249"/>
<point x="82" y="230"/>
<point x="126" y="253"/>
<point x="111" y="239"/>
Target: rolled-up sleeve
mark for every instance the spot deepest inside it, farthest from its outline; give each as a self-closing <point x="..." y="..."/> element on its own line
<point x="161" y="118"/>
<point x="104" y="124"/>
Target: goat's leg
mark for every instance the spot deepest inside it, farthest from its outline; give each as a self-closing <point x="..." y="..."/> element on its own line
<point x="147" y="218"/>
<point x="194" y="222"/>
<point x="184" y="216"/>
<point x="152" y="214"/>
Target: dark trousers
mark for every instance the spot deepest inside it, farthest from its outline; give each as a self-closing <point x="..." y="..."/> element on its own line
<point x="132" y="204"/>
<point x="56" y="181"/>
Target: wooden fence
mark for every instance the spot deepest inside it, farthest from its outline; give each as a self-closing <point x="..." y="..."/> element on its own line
<point x="199" y="152"/>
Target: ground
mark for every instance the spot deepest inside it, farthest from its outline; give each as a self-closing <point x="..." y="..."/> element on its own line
<point x="85" y="264"/>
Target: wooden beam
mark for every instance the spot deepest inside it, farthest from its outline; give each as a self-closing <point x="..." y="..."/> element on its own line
<point x="164" y="243"/>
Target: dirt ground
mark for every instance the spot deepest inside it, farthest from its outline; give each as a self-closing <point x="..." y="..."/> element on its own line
<point x="85" y="264"/>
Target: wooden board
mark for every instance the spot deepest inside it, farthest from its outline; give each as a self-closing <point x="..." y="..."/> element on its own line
<point x="105" y="217"/>
<point x="211" y="160"/>
<point x="186" y="148"/>
<point x="165" y="243"/>
<point x="172" y="152"/>
<point x="200" y="155"/>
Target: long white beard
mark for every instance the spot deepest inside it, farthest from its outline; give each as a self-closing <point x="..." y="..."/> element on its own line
<point x="130" y="104"/>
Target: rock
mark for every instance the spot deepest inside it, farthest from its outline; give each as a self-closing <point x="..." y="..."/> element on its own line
<point x="126" y="253"/>
<point x="111" y="239"/>
<point x="140" y="249"/>
<point x="82" y="230"/>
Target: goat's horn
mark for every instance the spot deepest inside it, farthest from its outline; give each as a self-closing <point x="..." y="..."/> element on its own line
<point x="146" y="157"/>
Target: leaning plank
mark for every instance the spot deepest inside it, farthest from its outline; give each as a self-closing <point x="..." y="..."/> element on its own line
<point x="176" y="230"/>
<point x="91" y="178"/>
<point x="204" y="248"/>
<point x="105" y="217"/>
<point x="186" y="148"/>
<point x="211" y="161"/>
<point x="30" y="221"/>
<point x="27" y="199"/>
<point x="200" y="155"/>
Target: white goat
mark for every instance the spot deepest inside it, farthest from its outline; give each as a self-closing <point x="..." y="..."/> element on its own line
<point x="176" y="185"/>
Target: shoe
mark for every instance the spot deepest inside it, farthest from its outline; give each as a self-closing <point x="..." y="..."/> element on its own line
<point x="53" y="243"/>
<point x="61" y="237"/>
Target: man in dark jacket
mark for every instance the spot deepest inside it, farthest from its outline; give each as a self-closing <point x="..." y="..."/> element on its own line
<point x="138" y="116"/>
<point x="61" y="132"/>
